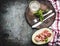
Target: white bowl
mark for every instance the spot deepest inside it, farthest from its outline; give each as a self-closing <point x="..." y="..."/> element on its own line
<point x="34" y="6"/>
<point x="40" y="31"/>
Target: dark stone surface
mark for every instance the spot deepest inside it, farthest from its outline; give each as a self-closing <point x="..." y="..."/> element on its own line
<point x="14" y="30"/>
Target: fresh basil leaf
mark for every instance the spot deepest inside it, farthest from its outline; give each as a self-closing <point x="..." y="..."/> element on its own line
<point x="46" y="40"/>
<point x="39" y="14"/>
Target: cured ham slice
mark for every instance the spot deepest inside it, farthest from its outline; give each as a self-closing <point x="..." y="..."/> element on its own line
<point x="42" y="36"/>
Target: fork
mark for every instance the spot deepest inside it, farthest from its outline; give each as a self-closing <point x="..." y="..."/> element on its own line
<point x="37" y="24"/>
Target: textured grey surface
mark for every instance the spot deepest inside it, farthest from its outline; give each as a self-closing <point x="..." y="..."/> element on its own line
<point x="14" y="23"/>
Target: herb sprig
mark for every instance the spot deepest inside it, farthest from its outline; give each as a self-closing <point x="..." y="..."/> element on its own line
<point x="39" y="13"/>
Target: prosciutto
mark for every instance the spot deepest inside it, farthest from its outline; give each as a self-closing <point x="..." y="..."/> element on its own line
<point x="42" y="36"/>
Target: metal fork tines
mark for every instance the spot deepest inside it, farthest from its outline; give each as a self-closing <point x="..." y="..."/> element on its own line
<point x="37" y="24"/>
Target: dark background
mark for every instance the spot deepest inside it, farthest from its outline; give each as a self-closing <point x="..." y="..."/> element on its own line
<point x="14" y="31"/>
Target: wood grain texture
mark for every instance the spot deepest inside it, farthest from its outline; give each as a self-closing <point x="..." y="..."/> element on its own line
<point x="30" y="17"/>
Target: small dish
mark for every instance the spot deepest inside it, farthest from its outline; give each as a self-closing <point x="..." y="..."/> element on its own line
<point x="42" y="36"/>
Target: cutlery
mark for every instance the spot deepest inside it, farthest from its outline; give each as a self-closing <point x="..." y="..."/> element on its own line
<point x="50" y="11"/>
<point x="37" y="24"/>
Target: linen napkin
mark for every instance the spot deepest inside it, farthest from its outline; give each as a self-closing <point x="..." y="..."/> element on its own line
<point x="56" y="25"/>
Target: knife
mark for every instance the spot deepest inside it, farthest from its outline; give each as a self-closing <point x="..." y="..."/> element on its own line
<point x="37" y="24"/>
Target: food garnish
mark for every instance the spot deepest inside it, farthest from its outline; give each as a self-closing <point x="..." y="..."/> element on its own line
<point x="39" y="13"/>
<point x="46" y="40"/>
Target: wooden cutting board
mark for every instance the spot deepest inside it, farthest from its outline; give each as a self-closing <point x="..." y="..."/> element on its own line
<point x="45" y="24"/>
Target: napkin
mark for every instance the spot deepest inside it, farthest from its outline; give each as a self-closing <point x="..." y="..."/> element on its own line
<point x="56" y="25"/>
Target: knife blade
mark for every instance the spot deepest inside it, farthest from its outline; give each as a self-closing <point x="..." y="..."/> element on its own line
<point x="37" y="24"/>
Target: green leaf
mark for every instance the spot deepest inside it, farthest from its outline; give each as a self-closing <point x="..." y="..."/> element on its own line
<point x="39" y="13"/>
<point x="46" y="40"/>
